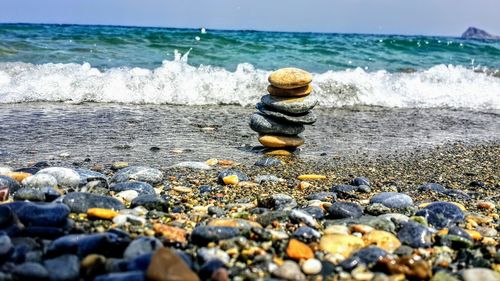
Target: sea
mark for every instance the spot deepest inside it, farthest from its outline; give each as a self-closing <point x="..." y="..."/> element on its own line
<point x="157" y="96"/>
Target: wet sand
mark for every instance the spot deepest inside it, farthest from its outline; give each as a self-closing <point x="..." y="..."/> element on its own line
<point x="160" y="135"/>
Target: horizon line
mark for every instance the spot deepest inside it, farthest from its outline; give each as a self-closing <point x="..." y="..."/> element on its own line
<point x="226" y="29"/>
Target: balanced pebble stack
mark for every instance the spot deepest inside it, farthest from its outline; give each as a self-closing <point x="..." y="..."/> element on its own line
<point x="284" y="111"/>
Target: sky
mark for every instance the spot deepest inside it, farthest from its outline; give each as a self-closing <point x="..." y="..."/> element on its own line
<point x="425" y="17"/>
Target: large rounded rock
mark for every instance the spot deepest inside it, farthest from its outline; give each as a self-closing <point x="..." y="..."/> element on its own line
<point x="290" y="78"/>
<point x="40" y="180"/>
<point x="266" y="125"/>
<point x="63" y="268"/>
<point x="40" y="214"/>
<point x="394" y="200"/>
<point x="297" y="92"/>
<point x="276" y="141"/>
<point x="80" y="202"/>
<point x="343" y="210"/>
<point x="166" y="265"/>
<point x="138" y="173"/>
<point x="303" y="118"/>
<point x="290" y="105"/>
<point x="442" y="214"/>
<point x="415" y="235"/>
<point x="65" y="177"/>
<point x="141" y="246"/>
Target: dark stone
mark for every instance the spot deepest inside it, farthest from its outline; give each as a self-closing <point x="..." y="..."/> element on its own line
<point x="394" y="200"/>
<point x="307" y="118"/>
<point x="209" y="268"/>
<point x="268" y="217"/>
<point x="360" y="181"/>
<point x="367" y="256"/>
<point x="455" y="242"/>
<point x="35" y="168"/>
<point x="322" y="196"/>
<point x="342" y="210"/>
<point x="80" y="202"/>
<point x="432" y="187"/>
<point x="457" y="194"/>
<point x="6" y="247"/>
<point x="202" y="235"/>
<point x="268" y="162"/>
<point x="7" y="185"/>
<point x="63" y="268"/>
<point x="267" y="125"/>
<point x="344" y="188"/>
<point x="6" y="216"/>
<point x="139" y="263"/>
<point x="141" y="246"/>
<point x="30" y="271"/>
<point x="123" y="276"/>
<point x="307" y="234"/>
<point x="442" y="214"/>
<point x="455" y="230"/>
<point x="50" y="193"/>
<point x="40" y="214"/>
<point x="107" y="244"/>
<point x="375" y="222"/>
<point x="229" y="172"/>
<point x="29" y="194"/>
<point x="277" y="202"/>
<point x="415" y="235"/>
<point x="142" y="188"/>
<point x="315" y="212"/>
<point x="150" y="202"/>
<point x="216" y="211"/>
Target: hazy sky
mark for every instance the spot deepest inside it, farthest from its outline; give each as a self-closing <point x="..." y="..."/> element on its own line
<point x="436" y="17"/>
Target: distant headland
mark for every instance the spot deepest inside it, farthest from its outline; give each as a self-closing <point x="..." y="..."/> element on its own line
<point x="476" y="33"/>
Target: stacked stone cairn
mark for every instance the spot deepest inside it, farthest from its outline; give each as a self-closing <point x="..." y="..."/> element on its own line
<point x="284" y="111"/>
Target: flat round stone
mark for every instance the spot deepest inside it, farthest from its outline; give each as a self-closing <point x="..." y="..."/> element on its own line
<point x="267" y="125"/>
<point x="297" y="92"/>
<point x="290" y="105"/>
<point x="280" y="141"/>
<point x="304" y="118"/>
<point x="290" y="78"/>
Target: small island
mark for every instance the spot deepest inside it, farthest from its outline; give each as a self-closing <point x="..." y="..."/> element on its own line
<point x="476" y="33"/>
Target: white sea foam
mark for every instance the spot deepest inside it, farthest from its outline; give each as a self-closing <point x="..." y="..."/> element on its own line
<point x="177" y="82"/>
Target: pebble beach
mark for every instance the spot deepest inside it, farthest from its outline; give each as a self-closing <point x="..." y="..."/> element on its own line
<point x="179" y="173"/>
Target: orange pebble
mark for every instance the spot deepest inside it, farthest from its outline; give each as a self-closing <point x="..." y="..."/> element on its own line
<point x="100" y="213"/>
<point x="18" y="176"/>
<point x="298" y="250"/>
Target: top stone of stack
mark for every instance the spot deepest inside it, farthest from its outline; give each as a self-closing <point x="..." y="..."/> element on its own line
<point x="289" y="78"/>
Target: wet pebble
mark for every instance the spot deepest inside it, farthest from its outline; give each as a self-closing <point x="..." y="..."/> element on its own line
<point x="415" y="235"/>
<point x="203" y="235"/>
<point x="142" y="188"/>
<point x="141" y="246"/>
<point x="442" y="214"/>
<point x="150" y="202"/>
<point x="358" y="181"/>
<point x="342" y="210"/>
<point x="166" y="265"/>
<point x="80" y="202"/>
<point x="393" y="200"/>
<point x="306" y="234"/>
<point x="277" y="202"/>
<point x="40" y="214"/>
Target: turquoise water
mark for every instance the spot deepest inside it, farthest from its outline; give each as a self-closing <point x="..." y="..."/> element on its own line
<point x="142" y="65"/>
<point x="107" y="47"/>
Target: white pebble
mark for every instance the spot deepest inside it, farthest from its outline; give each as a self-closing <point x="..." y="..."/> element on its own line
<point x="311" y="266"/>
<point x="127" y="195"/>
<point x="5" y="170"/>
